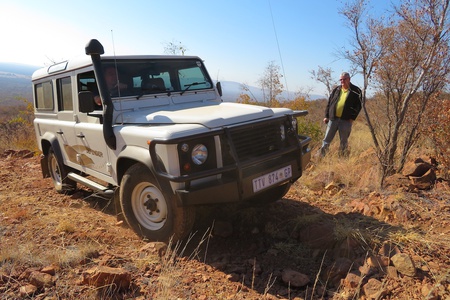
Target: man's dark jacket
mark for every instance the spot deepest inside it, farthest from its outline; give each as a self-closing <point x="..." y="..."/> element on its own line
<point x="352" y="105"/>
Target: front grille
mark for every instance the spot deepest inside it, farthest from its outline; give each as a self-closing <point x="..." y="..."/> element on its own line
<point x="256" y="140"/>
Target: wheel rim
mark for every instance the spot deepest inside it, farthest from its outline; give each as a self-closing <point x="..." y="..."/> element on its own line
<point x="149" y="206"/>
<point x="55" y="172"/>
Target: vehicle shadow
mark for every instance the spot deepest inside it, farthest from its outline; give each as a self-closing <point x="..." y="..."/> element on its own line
<point x="258" y="246"/>
<point x="255" y="245"/>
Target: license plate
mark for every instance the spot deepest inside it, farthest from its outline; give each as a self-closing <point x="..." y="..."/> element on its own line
<point x="272" y="178"/>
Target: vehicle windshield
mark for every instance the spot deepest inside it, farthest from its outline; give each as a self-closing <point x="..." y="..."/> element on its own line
<point x="144" y="76"/>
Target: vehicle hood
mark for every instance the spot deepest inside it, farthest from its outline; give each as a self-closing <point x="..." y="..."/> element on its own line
<point x="211" y="116"/>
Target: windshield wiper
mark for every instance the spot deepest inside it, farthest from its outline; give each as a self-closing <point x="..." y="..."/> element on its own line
<point x="188" y="86"/>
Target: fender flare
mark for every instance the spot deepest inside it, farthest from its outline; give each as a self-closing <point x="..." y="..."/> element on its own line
<point x="131" y="155"/>
<point x="49" y="140"/>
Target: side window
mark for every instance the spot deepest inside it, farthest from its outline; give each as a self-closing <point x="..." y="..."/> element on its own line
<point x="65" y="93"/>
<point x="44" y="96"/>
<point x="86" y="82"/>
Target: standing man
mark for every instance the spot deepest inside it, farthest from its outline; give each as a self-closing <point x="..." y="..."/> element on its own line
<point x="342" y="109"/>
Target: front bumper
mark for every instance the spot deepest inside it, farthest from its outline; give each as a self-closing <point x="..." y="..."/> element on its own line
<point x="234" y="182"/>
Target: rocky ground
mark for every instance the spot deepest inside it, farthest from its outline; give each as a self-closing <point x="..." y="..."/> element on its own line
<point x="326" y="241"/>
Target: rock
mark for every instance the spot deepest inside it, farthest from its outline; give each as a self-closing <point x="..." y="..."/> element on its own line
<point x="103" y="276"/>
<point x="380" y="262"/>
<point x="51" y="270"/>
<point x="401" y="214"/>
<point x="352" y="280"/>
<point x="41" y="280"/>
<point x="404" y="264"/>
<point x="294" y="278"/>
<point x="388" y="249"/>
<point x="424" y="182"/>
<point x="234" y="277"/>
<point x="156" y="248"/>
<point x="429" y="292"/>
<point x="27" y="290"/>
<point x="374" y="289"/>
<point x="391" y="272"/>
<point x="339" y="270"/>
<point x="420" y="169"/>
<point x="318" y="236"/>
<point x="361" y="207"/>
<point x="397" y="181"/>
<point x="367" y="270"/>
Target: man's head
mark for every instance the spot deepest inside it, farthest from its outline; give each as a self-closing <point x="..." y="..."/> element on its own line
<point x="111" y="77"/>
<point x="345" y="80"/>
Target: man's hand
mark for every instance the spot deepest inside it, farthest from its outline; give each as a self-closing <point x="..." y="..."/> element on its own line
<point x="325" y="120"/>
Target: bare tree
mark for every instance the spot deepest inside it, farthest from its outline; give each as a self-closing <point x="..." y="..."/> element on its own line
<point x="246" y="88"/>
<point x="174" y="48"/>
<point x="324" y="76"/>
<point x="270" y="82"/>
<point x="406" y="60"/>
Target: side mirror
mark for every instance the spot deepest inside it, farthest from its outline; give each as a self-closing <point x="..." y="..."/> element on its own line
<point x="86" y="102"/>
<point x="219" y="88"/>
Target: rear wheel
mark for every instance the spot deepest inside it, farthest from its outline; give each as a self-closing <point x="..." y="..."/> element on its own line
<point x="58" y="173"/>
<point x="150" y="211"/>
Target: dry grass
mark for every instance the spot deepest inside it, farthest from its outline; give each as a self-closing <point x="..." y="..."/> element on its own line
<point x="48" y="229"/>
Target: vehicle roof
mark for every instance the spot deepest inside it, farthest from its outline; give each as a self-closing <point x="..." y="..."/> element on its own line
<point x="85" y="61"/>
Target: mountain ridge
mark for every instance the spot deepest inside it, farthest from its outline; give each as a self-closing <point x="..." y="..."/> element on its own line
<point x="15" y="85"/>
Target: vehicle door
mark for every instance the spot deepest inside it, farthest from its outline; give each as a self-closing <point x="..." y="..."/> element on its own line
<point x="64" y="127"/>
<point x="91" y="149"/>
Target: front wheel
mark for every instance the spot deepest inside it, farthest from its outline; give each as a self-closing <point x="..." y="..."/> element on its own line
<point x="150" y="211"/>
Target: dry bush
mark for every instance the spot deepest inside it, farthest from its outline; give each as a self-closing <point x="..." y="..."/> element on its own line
<point x="437" y="128"/>
<point x="16" y="129"/>
<point x="359" y="171"/>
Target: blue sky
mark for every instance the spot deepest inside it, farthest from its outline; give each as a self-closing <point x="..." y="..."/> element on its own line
<point x="236" y="38"/>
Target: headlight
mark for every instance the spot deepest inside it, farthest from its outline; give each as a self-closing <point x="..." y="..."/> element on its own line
<point x="199" y="154"/>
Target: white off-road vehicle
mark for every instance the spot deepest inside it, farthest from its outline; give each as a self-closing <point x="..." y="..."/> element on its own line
<point x="162" y="140"/>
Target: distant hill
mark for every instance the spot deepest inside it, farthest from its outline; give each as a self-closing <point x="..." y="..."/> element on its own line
<point x="15" y="83"/>
<point x="231" y="91"/>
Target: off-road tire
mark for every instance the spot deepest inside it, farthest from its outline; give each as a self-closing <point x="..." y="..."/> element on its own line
<point x="58" y="173"/>
<point x="151" y="212"/>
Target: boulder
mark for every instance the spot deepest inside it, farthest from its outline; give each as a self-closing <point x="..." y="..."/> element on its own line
<point x="374" y="289"/>
<point x="41" y="280"/>
<point x="102" y="276"/>
<point x="404" y="264"/>
<point x="424" y="182"/>
<point x="294" y="278"/>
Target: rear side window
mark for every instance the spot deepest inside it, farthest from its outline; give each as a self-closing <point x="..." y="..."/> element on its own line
<point x="65" y="93"/>
<point x="44" y="96"/>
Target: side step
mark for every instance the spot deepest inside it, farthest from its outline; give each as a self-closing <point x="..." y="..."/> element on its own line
<point x="90" y="184"/>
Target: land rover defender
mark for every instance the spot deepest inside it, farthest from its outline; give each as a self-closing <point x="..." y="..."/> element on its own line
<point x="154" y="132"/>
